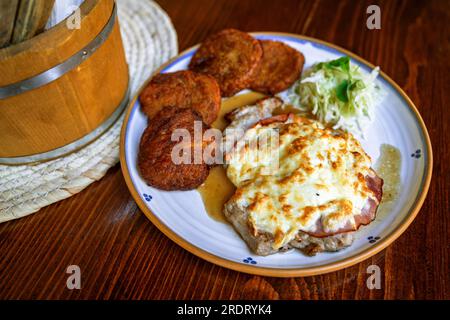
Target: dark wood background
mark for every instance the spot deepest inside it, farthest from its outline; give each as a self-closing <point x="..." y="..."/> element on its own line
<point x="122" y="255"/>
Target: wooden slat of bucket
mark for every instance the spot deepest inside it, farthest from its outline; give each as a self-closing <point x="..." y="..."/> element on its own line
<point x="31" y="18"/>
<point x="8" y="10"/>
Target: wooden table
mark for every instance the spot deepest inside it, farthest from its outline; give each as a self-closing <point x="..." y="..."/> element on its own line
<point x="122" y="255"/>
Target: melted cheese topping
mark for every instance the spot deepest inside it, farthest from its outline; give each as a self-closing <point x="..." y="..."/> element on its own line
<point x="310" y="175"/>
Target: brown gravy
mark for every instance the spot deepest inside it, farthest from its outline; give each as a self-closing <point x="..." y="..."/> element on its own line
<point x="217" y="188"/>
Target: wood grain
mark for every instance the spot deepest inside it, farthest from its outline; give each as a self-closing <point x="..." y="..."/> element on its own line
<point x="32" y="16"/>
<point x="8" y="11"/>
<point x="123" y="256"/>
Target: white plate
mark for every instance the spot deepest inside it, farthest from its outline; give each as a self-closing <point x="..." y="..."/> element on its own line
<point x="182" y="216"/>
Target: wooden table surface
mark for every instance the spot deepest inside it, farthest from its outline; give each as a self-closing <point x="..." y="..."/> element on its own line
<point x="122" y="255"/>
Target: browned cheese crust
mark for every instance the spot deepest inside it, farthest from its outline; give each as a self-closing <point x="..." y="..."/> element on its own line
<point x="183" y="89"/>
<point x="367" y="214"/>
<point x="308" y="242"/>
<point x="279" y="68"/>
<point x="230" y="56"/>
<point x="155" y="153"/>
<point x="373" y="182"/>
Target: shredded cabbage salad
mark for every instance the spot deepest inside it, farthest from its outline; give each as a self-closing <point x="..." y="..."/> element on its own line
<point x="338" y="94"/>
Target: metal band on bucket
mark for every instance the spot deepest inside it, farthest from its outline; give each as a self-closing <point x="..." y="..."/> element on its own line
<point x="61" y="69"/>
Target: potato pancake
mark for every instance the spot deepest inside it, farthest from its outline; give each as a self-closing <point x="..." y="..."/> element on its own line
<point x="230" y="56"/>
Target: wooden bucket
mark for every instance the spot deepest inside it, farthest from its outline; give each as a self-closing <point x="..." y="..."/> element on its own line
<point x="63" y="88"/>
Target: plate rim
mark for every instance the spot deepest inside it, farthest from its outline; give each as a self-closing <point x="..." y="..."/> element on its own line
<point x="288" y="272"/>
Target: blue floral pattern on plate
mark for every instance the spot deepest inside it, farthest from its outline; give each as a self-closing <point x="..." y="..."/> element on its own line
<point x="249" y="260"/>
<point x="417" y="154"/>
<point x="373" y="239"/>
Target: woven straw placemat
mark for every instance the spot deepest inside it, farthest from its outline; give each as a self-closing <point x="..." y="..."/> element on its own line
<point x="149" y="40"/>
